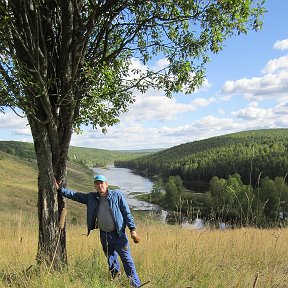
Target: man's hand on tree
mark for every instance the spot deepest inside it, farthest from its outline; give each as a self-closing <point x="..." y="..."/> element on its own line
<point x="56" y="184"/>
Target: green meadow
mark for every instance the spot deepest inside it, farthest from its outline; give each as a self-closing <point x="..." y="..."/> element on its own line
<point x="167" y="256"/>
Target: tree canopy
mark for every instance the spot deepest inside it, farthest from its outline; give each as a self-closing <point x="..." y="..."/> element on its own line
<point x="76" y="55"/>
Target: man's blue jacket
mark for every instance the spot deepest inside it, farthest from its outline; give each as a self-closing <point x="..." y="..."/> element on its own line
<point x="119" y="208"/>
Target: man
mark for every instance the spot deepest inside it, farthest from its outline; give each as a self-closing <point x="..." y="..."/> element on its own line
<point x="108" y="210"/>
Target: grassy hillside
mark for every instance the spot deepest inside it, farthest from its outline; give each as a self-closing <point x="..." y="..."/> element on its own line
<point x="18" y="174"/>
<point x="81" y="155"/>
<point x="247" y="153"/>
<point x="18" y="184"/>
<point x="18" y="187"/>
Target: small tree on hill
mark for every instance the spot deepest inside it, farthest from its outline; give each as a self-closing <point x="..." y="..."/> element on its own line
<point x="67" y="63"/>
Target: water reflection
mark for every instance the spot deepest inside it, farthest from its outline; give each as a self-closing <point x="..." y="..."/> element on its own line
<point x="197" y="224"/>
<point x="128" y="183"/>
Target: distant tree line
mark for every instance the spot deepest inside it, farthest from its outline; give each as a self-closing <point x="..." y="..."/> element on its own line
<point x="100" y="157"/>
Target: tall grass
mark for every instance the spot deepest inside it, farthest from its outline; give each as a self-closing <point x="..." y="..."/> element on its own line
<point x="167" y="256"/>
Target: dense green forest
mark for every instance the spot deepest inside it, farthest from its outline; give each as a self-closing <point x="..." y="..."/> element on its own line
<point x="85" y="156"/>
<point x="248" y="153"/>
<point x="238" y="178"/>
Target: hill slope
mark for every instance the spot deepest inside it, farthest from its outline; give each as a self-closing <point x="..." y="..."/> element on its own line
<point x="84" y="156"/>
<point x="18" y="174"/>
<point x="248" y="153"/>
<point x="18" y="187"/>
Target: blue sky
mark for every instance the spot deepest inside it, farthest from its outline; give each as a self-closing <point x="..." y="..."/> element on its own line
<point x="246" y="88"/>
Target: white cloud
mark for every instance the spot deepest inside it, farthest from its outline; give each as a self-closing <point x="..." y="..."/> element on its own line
<point x="140" y="137"/>
<point x="212" y="123"/>
<point x="281" y="44"/>
<point x="161" y="64"/>
<point x="281" y="109"/>
<point x="253" y="112"/>
<point x="202" y="102"/>
<point x="253" y="117"/>
<point x="149" y="106"/>
<point x="270" y="86"/>
<point x="125" y="137"/>
<point x="13" y="127"/>
<point x="274" y="65"/>
<point x="254" y="104"/>
<point x="226" y="97"/>
<point x="137" y="64"/>
<point x="23" y="132"/>
<point x="10" y="120"/>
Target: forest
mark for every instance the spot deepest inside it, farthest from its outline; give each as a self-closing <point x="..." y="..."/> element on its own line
<point x="248" y="153"/>
<point x="240" y="178"/>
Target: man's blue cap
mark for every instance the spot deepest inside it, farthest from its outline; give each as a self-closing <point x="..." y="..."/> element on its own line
<point x="100" y="178"/>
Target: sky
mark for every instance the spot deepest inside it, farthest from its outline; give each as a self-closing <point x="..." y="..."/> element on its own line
<point x="246" y="88"/>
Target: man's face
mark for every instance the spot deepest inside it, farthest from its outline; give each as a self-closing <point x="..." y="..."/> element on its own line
<point x="101" y="187"/>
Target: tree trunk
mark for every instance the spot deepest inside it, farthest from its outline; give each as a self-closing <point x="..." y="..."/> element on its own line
<point x="52" y="239"/>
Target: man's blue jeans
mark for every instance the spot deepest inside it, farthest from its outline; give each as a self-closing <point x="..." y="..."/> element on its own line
<point x="113" y="245"/>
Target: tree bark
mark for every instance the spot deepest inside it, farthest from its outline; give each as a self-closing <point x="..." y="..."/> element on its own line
<point x="52" y="239"/>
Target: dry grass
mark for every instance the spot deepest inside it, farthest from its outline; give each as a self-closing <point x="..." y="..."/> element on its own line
<point x="168" y="256"/>
<point x="214" y="258"/>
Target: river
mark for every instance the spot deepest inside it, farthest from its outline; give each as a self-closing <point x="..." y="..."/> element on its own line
<point x="128" y="182"/>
